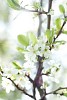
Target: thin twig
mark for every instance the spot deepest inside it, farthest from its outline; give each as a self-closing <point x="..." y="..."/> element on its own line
<point x="30" y="79"/>
<point x="47" y="73"/>
<point x="60" y="31"/>
<point x="29" y="10"/>
<point x="55" y="91"/>
<point x="34" y="91"/>
<point x="19" y="88"/>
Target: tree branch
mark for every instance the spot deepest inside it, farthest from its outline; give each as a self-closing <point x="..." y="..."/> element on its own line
<point x="30" y="79"/>
<point x="22" y="90"/>
<point x="37" y="11"/>
<point x="38" y="78"/>
<point x="42" y="93"/>
<point x="34" y="91"/>
<point x="60" y="31"/>
<point x="49" y="16"/>
<point x="47" y="73"/>
<point x="55" y="91"/>
<point x="40" y="19"/>
<point x="28" y="10"/>
<point x="38" y="81"/>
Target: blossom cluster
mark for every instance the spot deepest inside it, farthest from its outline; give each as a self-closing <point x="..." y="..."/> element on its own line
<point x="51" y="65"/>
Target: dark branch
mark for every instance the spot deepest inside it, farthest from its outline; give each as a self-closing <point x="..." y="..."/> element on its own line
<point x="19" y="88"/>
<point x="34" y="91"/>
<point x="42" y="93"/>
<point x="35" y="11"/>
<point x="28" y="10"/>
<point x="49" y="16"/>
<point x="30" y="79"/>
<point x="55" y="91"/>
<point x="38" y="81"/>
<point x="47" y="74"/>
<point x="60" y="31"/>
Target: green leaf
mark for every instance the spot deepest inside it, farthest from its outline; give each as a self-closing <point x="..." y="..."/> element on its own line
<point x="62" y="9"/>
<point x="16" y="65"/>
<point x="0" y="69"/>
<point x="21" y="49"/>
<point x="23" y="40"/>
<point x="36" y="5"/>
<point x="32" y="38"/>
<point x="52" y="32"/>
<point x="60" y="42"/>
<point x="50" y="35"/>
<point x="58" y="23"/>
<point x="14" y="4"/>
<point x="64" y="32"/>
<point x="48" y="32"/>
<point x="65" y="94"/>
<point x="65" y="19"/>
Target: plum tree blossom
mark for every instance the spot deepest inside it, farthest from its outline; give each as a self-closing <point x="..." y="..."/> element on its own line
<point x="42" y="70"/>
<point x="7" y="84"/>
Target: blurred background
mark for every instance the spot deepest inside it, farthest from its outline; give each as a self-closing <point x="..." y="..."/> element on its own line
<point x="12" y="23"/>
<point x="6" y="47"/>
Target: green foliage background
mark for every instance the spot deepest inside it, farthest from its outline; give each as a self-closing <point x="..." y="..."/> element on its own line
<point x="4" y="48"/>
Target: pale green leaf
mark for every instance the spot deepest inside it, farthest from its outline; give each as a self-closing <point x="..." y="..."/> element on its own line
<point x="48" y="34"/>
<point x="65" y="94"/>
<point x="32" y="38"/>
<point x="36" y="5"/>
<point x="14" y="4"/>
<point x="52" y="32"/>
<point x="65" y="19"/>
<point x="60" y="42"/>
<point x="23" y="40"/>
<point x="62" y="9"/>
<point x="64" y="32"/>
<point x="58" y="23"/>
<point x="17" y="66"/>
<point x="21" y="49"/>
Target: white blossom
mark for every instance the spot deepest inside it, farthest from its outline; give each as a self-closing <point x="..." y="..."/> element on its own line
<point x="7" y="85"/>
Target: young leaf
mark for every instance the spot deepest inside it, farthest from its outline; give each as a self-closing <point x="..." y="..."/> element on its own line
<point x="65" y="19"/>
<point x="50" y="35"/>
<point x="64" y="32"/>
<point x="16" y="65"/>
<point x="33" y="38"/>
<point x="14" y="4"/>
<point x="48" y="32"/>
<point x="65" y="94"/>
<point x="60" y="42"/>
<point x="62" y="9"/>
<point x="23" y="40"/>
<point x="36" y="5"/>
<point x="21" y="49"/>
<point x="52" y="32"/>
<point x="58" y="23"/>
